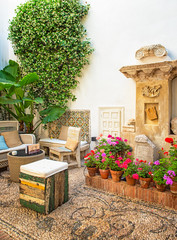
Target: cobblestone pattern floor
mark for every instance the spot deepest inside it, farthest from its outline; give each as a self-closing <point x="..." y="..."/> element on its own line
<point x="88" y="215"/>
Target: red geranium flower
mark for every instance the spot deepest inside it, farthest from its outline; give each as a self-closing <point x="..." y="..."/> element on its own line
<point x="169" y="140"/>
<point x="165" y="153"/>
<point x="175" y="145"/>
<point x="149" y="173"/>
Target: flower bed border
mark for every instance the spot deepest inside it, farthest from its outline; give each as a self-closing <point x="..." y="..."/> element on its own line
<point x="165" y="199"/>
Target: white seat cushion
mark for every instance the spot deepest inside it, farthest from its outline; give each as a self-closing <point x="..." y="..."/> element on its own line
<point x="55" y="140"/>
<point x="23" y="146"/>
<point x="43" y="168"/>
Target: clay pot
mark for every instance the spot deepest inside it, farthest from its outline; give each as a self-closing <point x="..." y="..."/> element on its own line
<point x="91" y="171"/>
<point x="160" y="188"/>
<point x="116" y="175"/>
<point x="173" y="187"/>
<point x="145" y="182"/>
<point x="104" y="173"/>
<point x="130" y="180"/>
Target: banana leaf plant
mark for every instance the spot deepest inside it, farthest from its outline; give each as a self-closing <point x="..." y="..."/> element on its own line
<point x="14" y="91"/>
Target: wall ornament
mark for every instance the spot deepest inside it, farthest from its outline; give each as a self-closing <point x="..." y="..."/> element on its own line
<point x="148" y="91"/>
<point x="156" y="50"/>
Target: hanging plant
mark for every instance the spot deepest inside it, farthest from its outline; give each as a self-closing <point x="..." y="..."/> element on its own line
<point x="49" y="38"/>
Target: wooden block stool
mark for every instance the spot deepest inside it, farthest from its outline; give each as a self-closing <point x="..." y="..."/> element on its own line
<point x="44" y="185"/>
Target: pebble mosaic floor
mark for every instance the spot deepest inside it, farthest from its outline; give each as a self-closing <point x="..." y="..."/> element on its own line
<point x="89" y="214"/>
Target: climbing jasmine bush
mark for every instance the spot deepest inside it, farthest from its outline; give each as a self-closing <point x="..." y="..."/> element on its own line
<point x="49" y="38"/>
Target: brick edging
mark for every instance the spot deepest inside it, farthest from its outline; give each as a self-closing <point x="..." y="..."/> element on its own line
<point x="166" y="199"/>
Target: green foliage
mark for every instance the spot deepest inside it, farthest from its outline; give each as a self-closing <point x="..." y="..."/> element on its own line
<point x="144" y="169"/>
<point x="15" y="92"/>
<point x="90" y="160"/>
<point x="49" y="38"/>
<point x="160" y="170"/>
<point x="113" y="165"/>
<point x="130" y="170"/>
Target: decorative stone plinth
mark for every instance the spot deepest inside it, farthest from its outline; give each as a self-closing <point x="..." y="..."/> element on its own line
<point x="166" y="199"/>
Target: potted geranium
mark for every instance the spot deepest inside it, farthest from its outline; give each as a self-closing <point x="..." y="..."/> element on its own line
<point x="115" y="166"/>
<point x="130" y="172"/>
<point x="171" y="176"/>
<point x="104" y="166"/>
<point x="160" y="168"/>
<point x="90" y="163"/>
<point x="144" y="172"/>
<point x="116" y="145"/>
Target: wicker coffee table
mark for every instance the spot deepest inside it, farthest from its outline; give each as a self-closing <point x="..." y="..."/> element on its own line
<point x="21" y="159"/>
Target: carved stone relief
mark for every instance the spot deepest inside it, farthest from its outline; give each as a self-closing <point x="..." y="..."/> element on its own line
<point x="153" y="50"/>
<point x="151" y="113"/>
<point x="148" y="91"/>
<point x="145" y="149"/>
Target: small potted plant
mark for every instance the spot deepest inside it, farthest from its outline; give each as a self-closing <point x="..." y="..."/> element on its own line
<point x="171" y="157"/>
<point x="104" y="166"/>
<point x="115" y="166"/>
<point x="90" y="163"/>
<point x="144" y="172"/>
<point x="116" y="145"/>
<point x="160" y="168"/>
<point x="130" y="172"/>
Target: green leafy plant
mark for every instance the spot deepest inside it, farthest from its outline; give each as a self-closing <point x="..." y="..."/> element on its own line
<point x="160" y="168"/>
<point x="170" y="157"/>
<point x="116" y="145"/>
<point x="131" y="170"/>
<point x="49" y="38"/>
<point x="90" y="160"/>
<point x="144" y="168"/>
<point x="104" y="164"/>
<point x="15" y="92"/>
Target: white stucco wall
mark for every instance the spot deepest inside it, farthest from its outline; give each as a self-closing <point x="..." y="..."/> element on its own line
<point x="117" y="28"/>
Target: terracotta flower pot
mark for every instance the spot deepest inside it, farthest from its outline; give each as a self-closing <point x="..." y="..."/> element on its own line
<point x="160" y="188"/>
<point x="91" y="171"/>
<point x="116" y="175"/>
<point x="173" y="187"/>
<point x="145" y="182"/>
<point x="130" y="180"/>
<point x="104" y="173"/>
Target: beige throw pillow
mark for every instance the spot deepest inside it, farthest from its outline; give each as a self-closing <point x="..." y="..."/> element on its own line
<point x="12" y="139"/>
<point x="71" y="144"/>
<point x="64" y="133"/>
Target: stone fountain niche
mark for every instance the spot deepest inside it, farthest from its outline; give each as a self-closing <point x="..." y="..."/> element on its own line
<point x="153" y="76"/>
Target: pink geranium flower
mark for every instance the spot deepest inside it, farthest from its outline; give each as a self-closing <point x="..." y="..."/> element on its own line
<point x="135" y="176"/>
<point x="129" y="153"/>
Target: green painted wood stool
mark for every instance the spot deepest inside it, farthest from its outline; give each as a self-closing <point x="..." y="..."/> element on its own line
<point x="44" y="185"/>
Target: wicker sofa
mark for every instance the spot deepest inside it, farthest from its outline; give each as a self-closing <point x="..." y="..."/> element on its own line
<point x="26" y="139"/>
